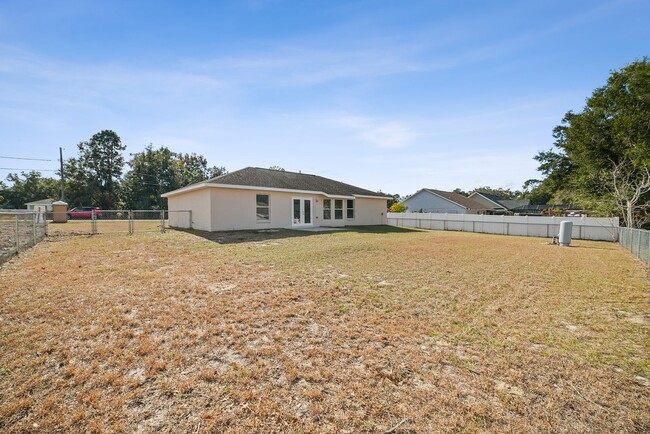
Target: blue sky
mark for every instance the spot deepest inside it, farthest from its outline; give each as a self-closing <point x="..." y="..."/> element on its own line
<point x="390" y="95"/>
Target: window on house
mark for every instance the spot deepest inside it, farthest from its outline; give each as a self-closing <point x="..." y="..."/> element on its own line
<point x="327" y="209"/>
<point x="262" y="207"/>
<point x="338" y="209"/>
<point x="350" y="209"/>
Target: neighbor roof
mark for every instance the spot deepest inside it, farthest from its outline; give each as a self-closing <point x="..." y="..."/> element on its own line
<point x="41" y="202"/>
<point x="279" y="179"/>
<point x="515" y="203"/>
<point x="492" y="197"/>
<point x="457" y="198"/>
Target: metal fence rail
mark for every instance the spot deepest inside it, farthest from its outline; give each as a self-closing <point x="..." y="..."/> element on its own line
<point x="636" y="241"/>
<point x="119" y="221"/>
<point x="20" y="230"/>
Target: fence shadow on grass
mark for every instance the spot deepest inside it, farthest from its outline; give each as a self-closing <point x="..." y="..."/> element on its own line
<point x="251" y="236"/>
<point x="609" y="246"/>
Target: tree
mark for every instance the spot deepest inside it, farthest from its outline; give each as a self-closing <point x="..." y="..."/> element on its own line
<point x="503" y="193"/>
<point x="156" y="171"/>
<point x="97" y="170"/>
<point x="193" y="168"/>
<point x="627" y="187"/>
<point x="602" y="154"/>
<point x="152" y="172"/>
<point x="27" y="187"/>
<point x="461" y="191"/>
<point x="534" y="191"/>
<point x="398" y="207"/>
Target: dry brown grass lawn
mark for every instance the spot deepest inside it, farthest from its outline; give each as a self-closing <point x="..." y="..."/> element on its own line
<point x="329" y="332"/>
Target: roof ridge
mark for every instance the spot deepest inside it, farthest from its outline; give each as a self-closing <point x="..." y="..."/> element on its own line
<point x="263" y="177"/>
<point x="456" y="198"/>
<point x="281" y="171"/>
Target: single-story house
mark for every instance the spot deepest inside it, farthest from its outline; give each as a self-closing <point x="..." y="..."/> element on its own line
<point x="497" y="205"/>
<point x="47" y="203"/>
<point x="438" y="201"/>
<point x="255" y="198"/>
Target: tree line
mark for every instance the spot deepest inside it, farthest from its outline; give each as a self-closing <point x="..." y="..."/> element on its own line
<point x="96" y="176"/>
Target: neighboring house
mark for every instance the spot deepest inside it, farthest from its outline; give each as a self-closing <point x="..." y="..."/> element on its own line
<point x="254" y="198"/>
<point x="47" y="203"/>
<point x="430" y="200"/>
<point x="491" y="202"/>
<point x="498" y="205"/>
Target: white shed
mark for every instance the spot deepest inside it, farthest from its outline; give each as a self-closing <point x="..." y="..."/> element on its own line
<point x="47" y="203"/>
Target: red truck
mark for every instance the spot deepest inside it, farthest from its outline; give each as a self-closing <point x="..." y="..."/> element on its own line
<point x="84" y="212"/>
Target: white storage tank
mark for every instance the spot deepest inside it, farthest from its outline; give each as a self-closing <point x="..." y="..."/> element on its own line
<point x="566" y="227"/>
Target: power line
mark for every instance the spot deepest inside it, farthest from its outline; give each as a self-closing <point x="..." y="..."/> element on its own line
<point x="23" y="158"/>
<point x="31" y="170"/>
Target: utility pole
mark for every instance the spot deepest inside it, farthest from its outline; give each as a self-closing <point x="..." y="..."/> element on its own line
<point x="62" y="184"/>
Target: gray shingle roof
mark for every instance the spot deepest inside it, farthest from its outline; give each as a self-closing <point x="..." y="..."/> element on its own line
<point x="258" y="177"/>
<point x="41" y="202"/>
<point x="508" y="204"/>
<point x="492" y="197"/>
<point x="514" y="203"/>
<point x="458" y="198"/>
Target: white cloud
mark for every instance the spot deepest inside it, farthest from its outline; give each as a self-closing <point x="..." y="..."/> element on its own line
<point x="386" y="134"/>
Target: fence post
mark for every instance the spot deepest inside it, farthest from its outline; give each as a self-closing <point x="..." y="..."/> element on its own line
<point x="638" y="244"/>
<point x="162" y="220"/>
<point x="130" y="225"/>
<point x="17" y="234"/>
<point x="34" y="227"/>
<point x="527" y="233"/>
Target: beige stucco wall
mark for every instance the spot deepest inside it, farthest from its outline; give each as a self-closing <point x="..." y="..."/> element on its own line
<point x="226" y="209"/>
<point x="234" y="209"/>
<point x="198" y="201"/>
<point x="369" y="212"/>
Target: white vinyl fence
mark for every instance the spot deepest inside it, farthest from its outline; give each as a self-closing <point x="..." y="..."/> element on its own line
<point x="584" y="228"/>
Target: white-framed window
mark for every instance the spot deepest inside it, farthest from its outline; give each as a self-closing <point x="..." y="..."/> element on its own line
<point x="350" y="209"/>
<point x="327" y="209"/>
<point x="262" y="207"/>
<point x="338" y="209"/>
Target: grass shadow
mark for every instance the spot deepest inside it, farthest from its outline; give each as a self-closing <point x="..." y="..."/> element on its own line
<point x="251" y="236"/>
<point x="611" y="246"/>
<point x="381" y="229"/>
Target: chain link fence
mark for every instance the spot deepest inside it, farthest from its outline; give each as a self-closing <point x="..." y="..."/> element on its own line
<point x="636" y="241"/>
<point x="118" y="221"/>
<point x="19" y="230"/>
